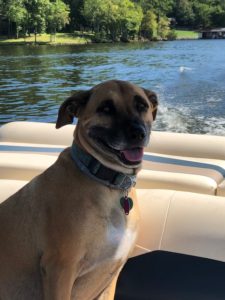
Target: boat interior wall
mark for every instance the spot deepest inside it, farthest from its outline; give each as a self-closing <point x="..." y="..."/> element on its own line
<point x="187" y="145"/>
<point x="201" y="169"/>
<point x="221" y="189"/>
<point x="35" y="133"/>
<point x="168" y="143"/>
<point x="182" y="222"/>
<point x="23" y="166"/>
<point x="9" y="187"/>
<point x="176" y="181"/>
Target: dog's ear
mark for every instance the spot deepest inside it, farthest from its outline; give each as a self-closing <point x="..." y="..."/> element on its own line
<point x="152" y="97"/>
<point x="72" y="107"/>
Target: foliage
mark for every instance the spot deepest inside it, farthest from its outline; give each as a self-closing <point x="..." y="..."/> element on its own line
<point x="171" y="35"/>
<point x="16" y="12"/>
<point x="218" y="16"/>
<point x="199" y="13"/>
<point x="57" y="16"/>
<point x="159" y="7"/>
<point x="36" y="17"/>
<point x="149" y="25"/>
<point x="95" y="13"/>
<point x="183" y="11"/>
<point x="202" y="15"/>
<point x="119" y="19"/>
<point x="77" y="20"/>
<point x="129" y="18"/>
<point x="109" y="19"/>
<point x="163" y="28"/>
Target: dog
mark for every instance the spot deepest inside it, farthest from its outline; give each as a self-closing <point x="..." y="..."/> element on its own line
<point x="67" y="233"/>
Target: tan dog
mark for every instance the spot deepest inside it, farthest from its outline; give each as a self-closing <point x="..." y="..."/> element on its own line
<point x="67" y="233"/>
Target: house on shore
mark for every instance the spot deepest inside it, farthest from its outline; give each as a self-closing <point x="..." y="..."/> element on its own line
<point x="217" y="33"/>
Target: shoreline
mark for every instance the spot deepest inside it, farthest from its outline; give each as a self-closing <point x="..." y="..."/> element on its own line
<point x="33" y="44"/>
<point x="64" y="39"/>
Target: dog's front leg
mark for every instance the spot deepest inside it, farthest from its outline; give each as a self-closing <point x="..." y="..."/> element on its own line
<point x="109" y="292"/>
<point x="58" y="278"/>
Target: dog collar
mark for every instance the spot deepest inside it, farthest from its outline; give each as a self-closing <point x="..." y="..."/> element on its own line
<point x="94" y="169"/>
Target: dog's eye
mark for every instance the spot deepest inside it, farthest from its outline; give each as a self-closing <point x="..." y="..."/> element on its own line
<point x="141" y="106"/>
<point x="107" y="108"/>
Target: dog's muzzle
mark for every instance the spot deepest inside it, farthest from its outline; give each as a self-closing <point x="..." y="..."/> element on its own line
<point x="136" y="134"/>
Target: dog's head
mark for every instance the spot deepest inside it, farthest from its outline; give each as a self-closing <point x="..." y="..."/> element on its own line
<point x="114" y="122"/>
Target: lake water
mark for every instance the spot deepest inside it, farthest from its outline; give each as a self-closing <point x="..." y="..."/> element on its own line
<point x="189" y="77"/>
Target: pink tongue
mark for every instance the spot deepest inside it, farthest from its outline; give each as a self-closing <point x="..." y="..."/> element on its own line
<point x="134" y="154"/>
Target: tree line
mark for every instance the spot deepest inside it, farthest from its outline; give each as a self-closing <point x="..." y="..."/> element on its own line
<point x="24" y="17"/>
<point x="110" y="19"/>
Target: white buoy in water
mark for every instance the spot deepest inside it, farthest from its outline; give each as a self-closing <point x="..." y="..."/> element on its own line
<point x="183" y="69"/>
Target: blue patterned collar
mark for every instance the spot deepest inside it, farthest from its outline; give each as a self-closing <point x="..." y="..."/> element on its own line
<point x="94" y="169"/>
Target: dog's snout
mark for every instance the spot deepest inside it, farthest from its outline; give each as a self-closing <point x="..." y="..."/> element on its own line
<point x="137" y="133"/>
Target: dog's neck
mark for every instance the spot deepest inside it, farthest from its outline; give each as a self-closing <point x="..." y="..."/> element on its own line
<point x="96" y="170"/>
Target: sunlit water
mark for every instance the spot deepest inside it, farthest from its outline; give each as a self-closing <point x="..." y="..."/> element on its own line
<point x="189" y="77"/>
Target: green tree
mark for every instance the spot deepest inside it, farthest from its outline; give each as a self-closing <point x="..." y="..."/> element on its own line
<point x="111" y="21"/>
<point x="57" y="16"/>
<point x="37" y="15"/>
<point x="17" y="13"/>
<point x="163" y="27"/>
<point x="77" y="20"/>
<point x="130" y="16"/>
<point x="149" y="25"/>
<point x="1" y="7"/>
<point x="183" y="12"/>
<point x="202" y="13"/>
<point x="94" y="13"/>
<point x="218" y="16"/>
<point x="116" y="18"/>
<point x="160" y="8"/>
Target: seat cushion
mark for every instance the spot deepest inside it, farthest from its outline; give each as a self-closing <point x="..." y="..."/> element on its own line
<point x="148" y="179"/>
<point x="187" y="145"/>
<point x="221" y="189"/>
<point x="182" y="222"/>
<point x="9" y="187"/>
<point x="36" y="133"/>
<point x="184" y="174"/>
<point x="26" y="165"/>
<point x="23" y="166"/>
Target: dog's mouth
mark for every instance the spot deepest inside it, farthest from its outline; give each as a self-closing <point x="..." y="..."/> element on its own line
<point x="130" y="156"/>
<point x="133" y="155"/>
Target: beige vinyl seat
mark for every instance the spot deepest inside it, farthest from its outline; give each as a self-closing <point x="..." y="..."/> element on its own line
<point x="25" y="166"/>
<point x="182" y="173"/>
<point x="35" y="134"/>
<point x="201" y="155"/>
<point x="9" y="187"/>
<point x="193" y="163"/>
<point x="181" y="222"/>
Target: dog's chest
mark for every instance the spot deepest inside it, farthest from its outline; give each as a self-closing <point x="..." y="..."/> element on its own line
<point x="113" y="243"/>
<point x="121" y="239"/>
<point x="110" y="251"/>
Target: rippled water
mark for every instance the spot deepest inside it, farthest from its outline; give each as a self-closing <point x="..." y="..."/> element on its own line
<point x="189" y="77"/>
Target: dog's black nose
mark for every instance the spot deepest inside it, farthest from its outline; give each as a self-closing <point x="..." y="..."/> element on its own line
<point x="137" y="133"/>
